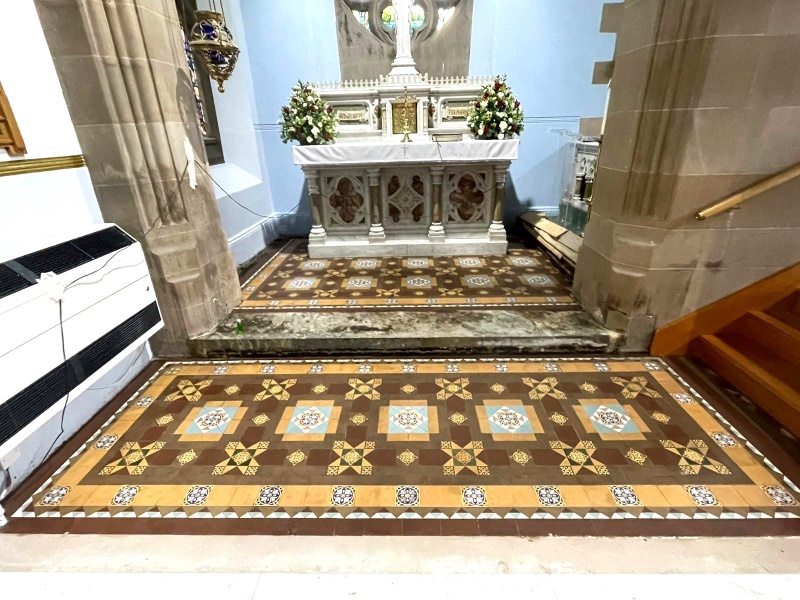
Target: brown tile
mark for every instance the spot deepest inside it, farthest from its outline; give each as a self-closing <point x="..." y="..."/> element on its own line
<point x="460" y="434"/>
<point x="320" y="457"/>
<point x="383" y="527"/>
<point x="211" y="456"/>
<point x="498" y="527"/>
<point x="273" y="457"/>
<point x="360" y="405"/>
<point x="163" y="457"/>
<point x="152" y="434"/>
<point x="349" y="527"/>
<point x="176" y="406"/>
<point x="313" y="526"/>
<point x="253" y="435"/>
<point x="460" y="527"/>
<point x="545" y="457"/>
<point x="610" y="456"/>
<point x="421" y="527"/>
<point x="431" y="457"/>
<point x="356" y="435"/>
<point x="383" y="457"/>
<point x="455" y="404"/>
<point x="495" y="457"/>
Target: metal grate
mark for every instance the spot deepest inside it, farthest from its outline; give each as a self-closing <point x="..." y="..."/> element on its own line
<point x="69" y="255"/>
<point x="22" y="408"/>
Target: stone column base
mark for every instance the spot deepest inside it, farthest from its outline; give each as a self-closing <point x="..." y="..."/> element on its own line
<point x="436" y="233"/>
<point x="317" y="236"/>
<point x="497" y="233"/>
<point x="376" y="234"/>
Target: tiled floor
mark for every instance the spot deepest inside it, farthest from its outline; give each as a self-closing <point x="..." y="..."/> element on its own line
<point x="292" y="281"/>
<point x="484" y="446"/>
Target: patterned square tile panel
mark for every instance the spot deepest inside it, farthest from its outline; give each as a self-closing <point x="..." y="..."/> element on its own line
<point x="291" y="281"/>
<point x="428" y="439"/>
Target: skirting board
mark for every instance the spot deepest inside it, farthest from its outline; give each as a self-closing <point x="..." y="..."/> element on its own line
<point x="404" y="247"/>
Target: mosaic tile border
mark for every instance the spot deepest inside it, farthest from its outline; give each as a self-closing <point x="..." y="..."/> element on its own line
<point x="466" y="513"/>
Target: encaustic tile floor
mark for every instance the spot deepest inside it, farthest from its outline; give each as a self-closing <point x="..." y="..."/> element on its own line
<point x="427" y="446"/>
<point x="290" y="280"/>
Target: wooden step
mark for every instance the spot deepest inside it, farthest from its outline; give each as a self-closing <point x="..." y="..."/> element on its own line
<point x="790" y="318"/>
<point x="790" y="303"/>
<point x="758" y="373"/>
<point x="770" y="332"/>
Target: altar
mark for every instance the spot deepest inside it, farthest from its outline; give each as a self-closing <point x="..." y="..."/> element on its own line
<point x="406" y="178"/>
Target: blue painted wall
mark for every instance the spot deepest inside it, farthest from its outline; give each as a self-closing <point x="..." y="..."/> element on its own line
<point x="548" y="49"/>
<point x="287" y="41"/>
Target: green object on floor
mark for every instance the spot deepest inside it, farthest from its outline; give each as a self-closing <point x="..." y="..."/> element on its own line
<point x="239" y="326"/>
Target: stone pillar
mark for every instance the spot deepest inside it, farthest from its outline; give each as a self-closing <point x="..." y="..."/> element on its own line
<point x="123" y="71"/>
<point x="436" y="230"/>
<point x="700" y="107"/>
<point x="376" y="233"/>
<point x="496" y="230"/>
<point x="317" y="235"/>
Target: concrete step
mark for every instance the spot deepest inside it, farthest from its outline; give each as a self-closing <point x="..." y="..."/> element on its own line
<point x="472" y="332"/>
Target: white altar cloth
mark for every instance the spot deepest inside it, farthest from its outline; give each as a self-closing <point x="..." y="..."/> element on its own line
<point x="394" y="152"/>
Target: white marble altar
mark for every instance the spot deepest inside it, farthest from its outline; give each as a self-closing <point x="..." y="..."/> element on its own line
<point x="374" y="195"/>
<point x="389" y="198"/>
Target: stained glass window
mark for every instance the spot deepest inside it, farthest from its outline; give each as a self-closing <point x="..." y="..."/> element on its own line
<point x="362" y="16"/>
<point x="417" y="17"/>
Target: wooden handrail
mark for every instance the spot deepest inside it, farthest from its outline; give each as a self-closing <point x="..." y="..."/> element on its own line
<point x="759" y="187"/>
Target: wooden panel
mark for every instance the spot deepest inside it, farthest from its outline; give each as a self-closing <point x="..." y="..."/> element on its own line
<point x="673" y="339"/>
<point x="757" y="383"/>
<point x="10" y="136"/>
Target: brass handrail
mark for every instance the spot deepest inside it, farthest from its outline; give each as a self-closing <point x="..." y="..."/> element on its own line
<point x="755" y="189"/>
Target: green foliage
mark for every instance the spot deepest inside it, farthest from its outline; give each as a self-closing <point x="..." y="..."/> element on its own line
<point x="307" y="119"/>
<point x="496" y="114"/>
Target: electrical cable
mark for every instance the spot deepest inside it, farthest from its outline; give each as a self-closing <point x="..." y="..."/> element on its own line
<point x="66" y="380"/>
<point x="61" y="323"/>
<point x="222" y="189"/>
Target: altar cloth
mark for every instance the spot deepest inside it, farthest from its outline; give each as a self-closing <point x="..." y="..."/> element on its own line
<point x="393" y="152"/>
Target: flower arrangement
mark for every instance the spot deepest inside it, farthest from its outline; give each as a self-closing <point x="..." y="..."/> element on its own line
<point x="496" y="113"/>
<point x="307" y="119"/>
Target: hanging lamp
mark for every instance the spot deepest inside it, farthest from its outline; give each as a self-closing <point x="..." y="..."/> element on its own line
<point x="214" y="44"/>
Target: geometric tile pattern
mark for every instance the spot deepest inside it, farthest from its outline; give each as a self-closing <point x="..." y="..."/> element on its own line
<point x="290" y="281"/>
<point x="421" y="439"/>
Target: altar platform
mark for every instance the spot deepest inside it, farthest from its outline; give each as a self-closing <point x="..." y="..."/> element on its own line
<point x="294" y="305"/>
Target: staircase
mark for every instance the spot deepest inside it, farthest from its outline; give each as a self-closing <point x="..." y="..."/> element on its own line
<point x="759" y="353"/>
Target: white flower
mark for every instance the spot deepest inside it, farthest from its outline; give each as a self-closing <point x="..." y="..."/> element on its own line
<point x="315" y="130"/>
<point x="503" y="125"/>
<point x="484" y="104"/>
<point x="309" y="139"/>
<point x="480" y="131"/>
<point x="501" y="136"/>
<point x="308" y="118"/>
<point x="510" y="120"/>
<point x="501" y="95"/>
<point x="296" y="88"/>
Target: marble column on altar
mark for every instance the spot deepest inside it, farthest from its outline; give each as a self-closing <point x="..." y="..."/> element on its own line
<point x="318" y="234"/>
<point x="376" y="231"/>
<point x="496" y="230"/>
<point x="404" y="63"/>
<point x="436" y="229"/>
